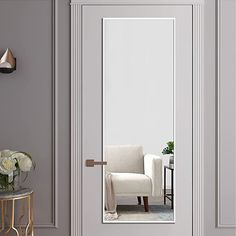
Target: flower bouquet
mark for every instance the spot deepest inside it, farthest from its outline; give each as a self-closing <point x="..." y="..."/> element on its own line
<point x="12" y="163"/>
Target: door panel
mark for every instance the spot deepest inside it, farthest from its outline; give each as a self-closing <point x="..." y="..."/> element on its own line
<point x="92" y="136"/>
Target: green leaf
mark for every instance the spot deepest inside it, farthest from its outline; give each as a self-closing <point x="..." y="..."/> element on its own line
<point x="169" y="149"/>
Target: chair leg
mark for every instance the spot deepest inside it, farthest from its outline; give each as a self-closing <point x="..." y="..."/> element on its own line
<point x="139" y="200"/>
<point x="145" y="201"/>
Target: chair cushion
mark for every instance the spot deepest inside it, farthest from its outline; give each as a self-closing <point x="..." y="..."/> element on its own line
<point x="124" y="158"/>
<point x="131" y="184"/>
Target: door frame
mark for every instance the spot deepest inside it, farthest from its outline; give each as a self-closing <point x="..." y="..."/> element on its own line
<point x="198" y="106"/>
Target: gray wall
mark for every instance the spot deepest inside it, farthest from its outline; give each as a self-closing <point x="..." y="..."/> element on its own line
<point x="34" y="102"/>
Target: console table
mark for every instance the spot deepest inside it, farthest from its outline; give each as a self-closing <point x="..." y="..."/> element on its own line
<point x="170" y="195"/>
<point x="23" y="225"/>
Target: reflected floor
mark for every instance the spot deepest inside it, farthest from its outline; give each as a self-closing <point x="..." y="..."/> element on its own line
<point x="136" y="213"/>
<point x="129" y="210"/>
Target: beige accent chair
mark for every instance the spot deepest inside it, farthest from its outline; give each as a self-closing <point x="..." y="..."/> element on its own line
<point x="134" y="173"/>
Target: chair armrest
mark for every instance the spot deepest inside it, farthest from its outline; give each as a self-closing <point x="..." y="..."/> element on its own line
<point x="153" y="169"/>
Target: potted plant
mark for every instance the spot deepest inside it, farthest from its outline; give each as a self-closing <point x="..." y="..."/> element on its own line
<point x="169" y="150"/>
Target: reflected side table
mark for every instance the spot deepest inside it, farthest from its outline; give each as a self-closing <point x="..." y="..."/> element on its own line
<point x="9" y="223"/>
<point x="170" y="195"/>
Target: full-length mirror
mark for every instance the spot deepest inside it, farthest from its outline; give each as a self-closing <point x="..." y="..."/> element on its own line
<point x="138" y="120"/>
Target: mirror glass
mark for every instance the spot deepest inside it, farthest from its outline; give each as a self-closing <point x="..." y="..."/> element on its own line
<point x="138" y="120"/>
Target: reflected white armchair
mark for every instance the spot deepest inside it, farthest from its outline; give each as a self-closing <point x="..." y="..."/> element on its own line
<point x="133" y="173"/>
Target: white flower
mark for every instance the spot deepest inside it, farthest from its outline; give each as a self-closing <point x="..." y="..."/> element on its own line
<point x="6" y="153"/>
<point x="25" y="163"/>
<point x="7" y="165"/>
<point x="18" y="155"/>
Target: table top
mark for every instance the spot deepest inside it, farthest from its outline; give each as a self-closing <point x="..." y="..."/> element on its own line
<point x="21" y="193"/>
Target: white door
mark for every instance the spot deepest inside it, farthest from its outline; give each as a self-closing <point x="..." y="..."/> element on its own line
<point x="104" y="29"/>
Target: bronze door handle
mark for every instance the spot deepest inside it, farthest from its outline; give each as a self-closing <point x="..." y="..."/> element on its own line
<point x="92" y="163"/>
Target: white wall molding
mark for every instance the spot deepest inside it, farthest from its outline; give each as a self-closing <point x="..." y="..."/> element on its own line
<point x="76" y="121"/>
<point x="198" y="121"/>
<point x="218" y="45"/>
<point x="54" y="101"/>
<point x="198" y="109"/>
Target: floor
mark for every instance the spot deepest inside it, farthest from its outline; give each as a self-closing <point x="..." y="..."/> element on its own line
<point x="128" y="210"/>
<point x="136" y="213"/>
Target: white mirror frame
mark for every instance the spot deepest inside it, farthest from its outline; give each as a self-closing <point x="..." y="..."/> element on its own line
<point x="198" y="107"/>
<point x="112" y="107"/>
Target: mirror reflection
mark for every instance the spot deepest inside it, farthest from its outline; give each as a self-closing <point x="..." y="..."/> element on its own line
<point x="138" y="119"/>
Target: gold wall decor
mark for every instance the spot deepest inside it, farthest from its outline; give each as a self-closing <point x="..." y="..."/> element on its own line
<point x="7" y="62"/>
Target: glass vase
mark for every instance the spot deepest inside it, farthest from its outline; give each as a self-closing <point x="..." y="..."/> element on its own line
<point x="10" y="183"/>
